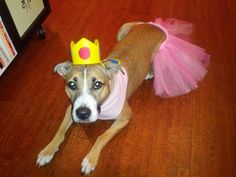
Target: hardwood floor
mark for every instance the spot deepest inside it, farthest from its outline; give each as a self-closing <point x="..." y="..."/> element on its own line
<point x="189" y="136"/>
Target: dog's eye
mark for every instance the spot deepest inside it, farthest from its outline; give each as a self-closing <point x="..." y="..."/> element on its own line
<point x="72" y="85"/>
<point x="97" y="85"/>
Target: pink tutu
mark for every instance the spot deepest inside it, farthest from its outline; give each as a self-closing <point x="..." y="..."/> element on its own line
<point x="178" y="65"/>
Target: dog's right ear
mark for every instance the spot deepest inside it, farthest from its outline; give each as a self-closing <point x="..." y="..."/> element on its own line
<point x="62" y="68"/>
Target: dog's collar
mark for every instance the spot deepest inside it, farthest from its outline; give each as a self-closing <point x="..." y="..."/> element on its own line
<point x="114" y="104"/>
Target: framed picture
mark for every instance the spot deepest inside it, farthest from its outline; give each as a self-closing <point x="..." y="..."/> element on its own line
<point x="19" y="19"/>
<point x="22" y="18"/>
<point x="24" y="12"/>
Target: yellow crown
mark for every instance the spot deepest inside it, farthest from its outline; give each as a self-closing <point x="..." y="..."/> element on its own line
<point x="85" y="52"/>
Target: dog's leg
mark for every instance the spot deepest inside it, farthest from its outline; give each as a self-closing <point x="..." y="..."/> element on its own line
<point x="90" y="161"/>
<point x="46" y="155"/>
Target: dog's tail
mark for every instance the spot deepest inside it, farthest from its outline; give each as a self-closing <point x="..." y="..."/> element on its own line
<point x="124" y="29"/>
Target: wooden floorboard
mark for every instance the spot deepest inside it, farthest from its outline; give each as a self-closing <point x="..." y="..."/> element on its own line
<point x="188" y="136"/>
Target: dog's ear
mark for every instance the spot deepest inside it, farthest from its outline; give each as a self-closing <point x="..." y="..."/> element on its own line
<point x="62" y="68"/>
<point x="112" y="66"/>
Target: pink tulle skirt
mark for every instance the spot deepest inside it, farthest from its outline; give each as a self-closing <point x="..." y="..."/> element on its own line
<point x="178" y="65"/>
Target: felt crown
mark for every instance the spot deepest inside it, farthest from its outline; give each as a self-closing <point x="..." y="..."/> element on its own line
<point x="85" y="52"/>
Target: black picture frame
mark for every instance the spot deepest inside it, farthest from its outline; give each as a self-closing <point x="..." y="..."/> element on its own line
<point x="20" y="42"/>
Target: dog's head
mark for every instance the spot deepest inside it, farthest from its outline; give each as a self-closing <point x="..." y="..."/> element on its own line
<point x="87" y="87"/>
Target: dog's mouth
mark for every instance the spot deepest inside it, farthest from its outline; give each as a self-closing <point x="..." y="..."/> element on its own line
<point x="82" y="121"/>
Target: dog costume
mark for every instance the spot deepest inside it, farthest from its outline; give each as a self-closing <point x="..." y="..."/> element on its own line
<point x="178" y="65"/>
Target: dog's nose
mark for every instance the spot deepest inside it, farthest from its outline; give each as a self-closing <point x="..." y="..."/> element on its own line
<point x="83" y="113"/>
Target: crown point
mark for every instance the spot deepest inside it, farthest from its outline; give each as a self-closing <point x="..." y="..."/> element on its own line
<point x="84" y="53"/>
<point x="72" y="44"/>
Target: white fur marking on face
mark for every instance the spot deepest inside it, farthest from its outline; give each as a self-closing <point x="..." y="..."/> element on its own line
<point x="85" y="100"/>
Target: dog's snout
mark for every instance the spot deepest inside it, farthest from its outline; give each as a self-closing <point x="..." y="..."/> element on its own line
<point x="83" y="113"/>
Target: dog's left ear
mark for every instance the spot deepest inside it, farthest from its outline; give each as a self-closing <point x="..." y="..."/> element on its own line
<point x="112" y="66"/>
<point x="62" y="68"/>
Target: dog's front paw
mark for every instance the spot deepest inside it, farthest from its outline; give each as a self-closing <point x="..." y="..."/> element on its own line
<point x="45" y="156"/>
<point x="89" y="163"/>
<point x="43" y="160"/>
<point x="87" y="166"/>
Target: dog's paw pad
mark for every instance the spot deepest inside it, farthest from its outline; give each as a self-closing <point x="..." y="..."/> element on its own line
<point x="43" y="160"/>
<point x="87" y="167"/>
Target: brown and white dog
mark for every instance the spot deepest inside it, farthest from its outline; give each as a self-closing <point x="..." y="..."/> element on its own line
<point x="88" y="90"/>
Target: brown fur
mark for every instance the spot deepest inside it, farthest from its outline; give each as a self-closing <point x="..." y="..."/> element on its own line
<point x="135" y="50"/>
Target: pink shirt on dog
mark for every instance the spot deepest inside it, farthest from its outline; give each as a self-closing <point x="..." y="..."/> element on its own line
<point x="113" y="105"/>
